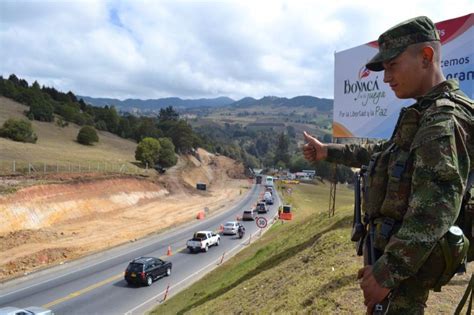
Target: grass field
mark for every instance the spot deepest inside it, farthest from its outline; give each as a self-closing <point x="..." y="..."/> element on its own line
<point x="58" y="145"/>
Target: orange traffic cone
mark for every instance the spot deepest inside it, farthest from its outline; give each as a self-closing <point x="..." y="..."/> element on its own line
<point x="221" y="228"/>
<point x="200" y="215"/>
<point x="169" y="253"/>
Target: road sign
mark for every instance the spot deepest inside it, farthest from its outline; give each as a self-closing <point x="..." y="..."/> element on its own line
<point x="261" y="222"/>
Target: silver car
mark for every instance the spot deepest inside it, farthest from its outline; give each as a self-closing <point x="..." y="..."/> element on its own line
<point x="249" y="215"/>
<point x="231" y="228"/>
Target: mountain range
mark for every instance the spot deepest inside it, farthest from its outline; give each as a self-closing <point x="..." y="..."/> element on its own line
<point x="153" y="105"/>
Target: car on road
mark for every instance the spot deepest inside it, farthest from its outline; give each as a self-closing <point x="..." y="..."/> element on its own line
<point x="202" y="240"/>
<point x="145" y="270"/>
<point x="231" y="228"/>
<point x="268" y="198"/>
<point x="249" y="214"/>
<point x="261" y="207"/>
<point x="30" y="310"/>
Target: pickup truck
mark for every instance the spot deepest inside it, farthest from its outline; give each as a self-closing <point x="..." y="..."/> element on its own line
<point x="202" y="240"/>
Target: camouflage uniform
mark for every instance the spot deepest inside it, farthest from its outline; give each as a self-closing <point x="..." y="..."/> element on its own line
<point x="415" y="181"/>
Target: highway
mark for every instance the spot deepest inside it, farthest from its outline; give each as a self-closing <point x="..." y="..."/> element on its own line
<point x="95" y="284"/>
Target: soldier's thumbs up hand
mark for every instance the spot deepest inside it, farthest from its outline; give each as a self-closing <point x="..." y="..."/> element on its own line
<point x="314" y="150"/>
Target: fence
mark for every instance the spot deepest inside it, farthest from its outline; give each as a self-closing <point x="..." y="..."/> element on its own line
<point x="32" y="167"/>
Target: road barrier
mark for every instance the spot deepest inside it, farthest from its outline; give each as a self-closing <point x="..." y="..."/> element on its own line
<point x="166" y="292"/>
<point x="222" y="259"/>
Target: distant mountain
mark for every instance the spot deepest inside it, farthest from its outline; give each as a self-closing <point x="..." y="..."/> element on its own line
<point x="153" y="105"/>
<point x="133" y="105"/>
<point x="322" y="104"/>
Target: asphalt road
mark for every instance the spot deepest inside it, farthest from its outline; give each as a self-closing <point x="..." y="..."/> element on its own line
<point x="95" y="284"/>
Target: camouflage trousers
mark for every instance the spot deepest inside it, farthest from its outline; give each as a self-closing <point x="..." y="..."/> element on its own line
<point x="409" y="298"/>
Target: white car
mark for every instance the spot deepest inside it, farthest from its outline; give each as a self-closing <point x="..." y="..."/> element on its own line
<point x="31" y="310"/>
<point x="231" y="228"/>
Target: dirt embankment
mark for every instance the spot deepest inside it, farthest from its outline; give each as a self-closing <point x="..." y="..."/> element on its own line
<point x="50" y="223"/>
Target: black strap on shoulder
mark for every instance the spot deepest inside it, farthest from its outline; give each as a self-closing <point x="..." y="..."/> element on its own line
<point x="467" y="294"/>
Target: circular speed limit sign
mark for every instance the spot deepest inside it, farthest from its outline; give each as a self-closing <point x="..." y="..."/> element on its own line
<point x="261" y="222"/>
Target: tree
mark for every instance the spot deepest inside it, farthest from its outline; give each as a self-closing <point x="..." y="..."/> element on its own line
<point x="18" y="130"/>
<point x="167" y="157"/>
<point x="148" y="151"/>
<point x="147" y="129"/>
<point x="182" y="136"/>
<point x="41" y="111"/>
<point x="281" y="152"/>
<point x="168" y="113"/>
<point x="291" y="131"/>
<point x="87" y="135"/>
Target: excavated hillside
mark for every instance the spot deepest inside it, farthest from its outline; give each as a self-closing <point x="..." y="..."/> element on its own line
<point x="48" y="224"/>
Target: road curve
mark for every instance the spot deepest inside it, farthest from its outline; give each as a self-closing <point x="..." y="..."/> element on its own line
<point x="95" y="284"/>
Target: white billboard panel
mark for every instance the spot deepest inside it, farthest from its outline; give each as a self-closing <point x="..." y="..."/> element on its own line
<point x="366" y="107"/>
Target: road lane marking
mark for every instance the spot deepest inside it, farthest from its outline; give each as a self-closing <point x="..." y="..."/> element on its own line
<point x="83" y="291"/>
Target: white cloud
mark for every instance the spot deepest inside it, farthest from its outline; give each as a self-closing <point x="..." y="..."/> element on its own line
<point x="149" y="49"/>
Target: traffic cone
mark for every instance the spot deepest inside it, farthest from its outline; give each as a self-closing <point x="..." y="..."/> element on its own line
<point x="221" y="228"/>
<point x="169" y="253"/>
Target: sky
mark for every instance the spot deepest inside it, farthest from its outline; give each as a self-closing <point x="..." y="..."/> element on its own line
<point x="195" y="49"/>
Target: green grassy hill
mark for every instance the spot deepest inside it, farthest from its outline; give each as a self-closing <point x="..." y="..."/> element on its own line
<point x="305" y="266"/>
<point x="58" y="145"/>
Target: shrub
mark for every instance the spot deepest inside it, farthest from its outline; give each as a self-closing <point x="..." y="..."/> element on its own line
<point x="18" y="130"/>
<point x="87" y="135"/>
<point x="148" y="151"/>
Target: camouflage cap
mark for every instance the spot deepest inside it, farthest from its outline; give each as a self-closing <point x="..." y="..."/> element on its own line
<point x="395" y="40"/>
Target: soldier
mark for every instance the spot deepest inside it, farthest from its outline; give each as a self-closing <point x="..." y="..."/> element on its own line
<point x="417" y="178"/>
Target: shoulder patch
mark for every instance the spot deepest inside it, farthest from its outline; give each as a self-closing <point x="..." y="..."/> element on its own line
<point x="444" y="102"/>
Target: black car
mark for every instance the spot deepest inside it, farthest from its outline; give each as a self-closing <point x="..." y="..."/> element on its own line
<point x="144" y="270"/>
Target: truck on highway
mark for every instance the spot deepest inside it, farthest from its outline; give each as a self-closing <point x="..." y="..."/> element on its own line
<point x="202" y="240"/>
<point x="269" y="181"/>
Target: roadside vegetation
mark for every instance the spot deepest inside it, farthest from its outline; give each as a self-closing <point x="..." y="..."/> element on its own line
<point x="18" y="130"/>
<point x="307" y="265"/>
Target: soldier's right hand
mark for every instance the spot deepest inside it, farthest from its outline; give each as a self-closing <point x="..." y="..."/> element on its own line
<point x="314" y="150"/>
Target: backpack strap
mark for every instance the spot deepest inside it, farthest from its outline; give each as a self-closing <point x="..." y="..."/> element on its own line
<point x="467" y="293"/>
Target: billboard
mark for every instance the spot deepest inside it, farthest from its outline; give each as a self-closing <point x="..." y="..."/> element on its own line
<point x="366" y="107"/>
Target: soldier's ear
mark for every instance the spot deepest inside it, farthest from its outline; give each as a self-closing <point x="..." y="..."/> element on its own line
<point x="428" y="54"/>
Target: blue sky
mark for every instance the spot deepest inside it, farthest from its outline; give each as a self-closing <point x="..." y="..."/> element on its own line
<point x="194" y="49"/>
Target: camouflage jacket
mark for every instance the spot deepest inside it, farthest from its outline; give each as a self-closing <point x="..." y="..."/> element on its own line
<point x="440" y="149"/>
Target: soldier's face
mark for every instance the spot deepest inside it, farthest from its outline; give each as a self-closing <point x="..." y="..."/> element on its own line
<point x="404" y="75"/>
